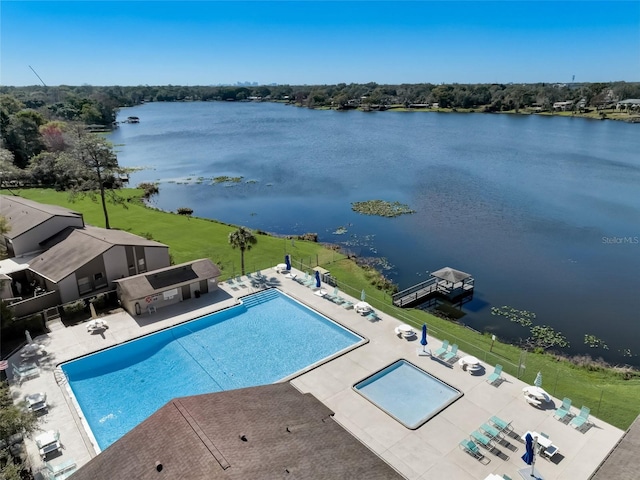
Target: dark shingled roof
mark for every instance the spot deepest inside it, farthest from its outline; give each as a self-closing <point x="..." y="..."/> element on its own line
<point x="623" y="462"/>
<point x="144" y="284"/>
<point x="74" y="247"/>
<point x="266" y="432"/>
<point x="23" y="214"/>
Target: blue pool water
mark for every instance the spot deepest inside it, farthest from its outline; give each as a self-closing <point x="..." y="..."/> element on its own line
<point x="407" y="393"/>
<point x="266" y="339"/>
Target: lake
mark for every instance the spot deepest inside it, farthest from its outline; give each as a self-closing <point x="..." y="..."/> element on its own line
<point x="543" y="211"/>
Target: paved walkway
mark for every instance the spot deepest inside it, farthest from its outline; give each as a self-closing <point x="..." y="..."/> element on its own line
<point x="431" y="451"/>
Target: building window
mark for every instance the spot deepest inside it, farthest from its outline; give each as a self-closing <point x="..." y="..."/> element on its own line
<point x="99" y="280"/>
<point x="141" y="265"/>
<point x="84" y="285"/>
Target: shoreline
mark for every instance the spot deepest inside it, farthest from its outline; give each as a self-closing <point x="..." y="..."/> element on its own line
<point x="616" y="386"/>
<point x="592" y="115"/>
<point x="596" y="362"/>
<point x="608" y="114"/>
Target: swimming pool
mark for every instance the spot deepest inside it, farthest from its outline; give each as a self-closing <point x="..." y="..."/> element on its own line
<point x="407" y="393"/>
<point x="268" y="338"/>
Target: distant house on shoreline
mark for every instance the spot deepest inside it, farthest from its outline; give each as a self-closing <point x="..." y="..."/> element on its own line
<point x="629" y="103"/>
<point x="563" y="106"/>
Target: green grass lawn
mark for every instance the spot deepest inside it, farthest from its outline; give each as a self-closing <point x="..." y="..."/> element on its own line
<point x="610" y="396"/>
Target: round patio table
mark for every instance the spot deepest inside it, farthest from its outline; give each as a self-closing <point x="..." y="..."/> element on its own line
<point x="407" y="330"/>
<point x="469" y="363"/>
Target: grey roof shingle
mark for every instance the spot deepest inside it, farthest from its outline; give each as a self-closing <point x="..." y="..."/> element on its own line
<point x="622" y="463"/>
<point x="75" y="247"/>
<point x="23" y="215"/>
<point x="450" y="275"/>
<point x="271" y="431"/>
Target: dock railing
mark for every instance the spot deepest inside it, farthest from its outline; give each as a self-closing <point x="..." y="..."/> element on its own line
<point x="411" y="294"/>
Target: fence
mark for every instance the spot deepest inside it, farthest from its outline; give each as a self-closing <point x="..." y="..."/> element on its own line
<point x="304" y="263"/>
<point x="605" y="403"/>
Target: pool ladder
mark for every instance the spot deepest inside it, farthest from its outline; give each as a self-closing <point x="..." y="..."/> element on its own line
<point x="60" y="376"/>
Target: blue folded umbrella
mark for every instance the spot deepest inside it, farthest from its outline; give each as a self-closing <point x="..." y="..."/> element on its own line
<point x="528" y="454"/>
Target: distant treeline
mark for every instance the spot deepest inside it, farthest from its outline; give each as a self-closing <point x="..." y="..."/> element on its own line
<point x="98" y="105"/>
<point x="38" y="120"/>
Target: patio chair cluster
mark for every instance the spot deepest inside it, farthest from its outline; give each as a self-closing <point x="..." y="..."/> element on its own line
<point x="236" y="284"/>
<point x="333" y="297"/>
<point x="447" y="353"/>
<point x="580" y="422"/>
<point x="307" y="280"/>
<point x="25" y="371"/>
<point x="258" y="279"/>
<point x="487" y="435"/>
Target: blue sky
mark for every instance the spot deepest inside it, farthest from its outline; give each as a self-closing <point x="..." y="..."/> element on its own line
<point x="210" y="43"/>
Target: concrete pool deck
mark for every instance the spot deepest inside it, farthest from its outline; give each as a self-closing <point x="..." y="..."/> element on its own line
<point x="430" y="451"/>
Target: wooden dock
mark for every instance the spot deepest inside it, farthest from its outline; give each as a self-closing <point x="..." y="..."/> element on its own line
<point x="447" y="283"/>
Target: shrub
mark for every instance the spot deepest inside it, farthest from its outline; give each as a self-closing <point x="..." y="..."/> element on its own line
<point x="184" y="211"/>
<point x="73" y="308"/>
<point x="149" y="189"/>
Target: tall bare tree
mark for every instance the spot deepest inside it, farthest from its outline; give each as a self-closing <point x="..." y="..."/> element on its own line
<point x="97" y="168"/>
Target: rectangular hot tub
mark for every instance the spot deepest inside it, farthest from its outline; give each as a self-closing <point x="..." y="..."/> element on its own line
<point x="407" y="393"/>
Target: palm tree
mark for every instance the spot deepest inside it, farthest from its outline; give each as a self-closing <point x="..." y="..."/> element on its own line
<point x="243" y="239"/>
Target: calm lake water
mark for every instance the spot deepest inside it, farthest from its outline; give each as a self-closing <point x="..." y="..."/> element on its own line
<point x="544" y="212"/>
